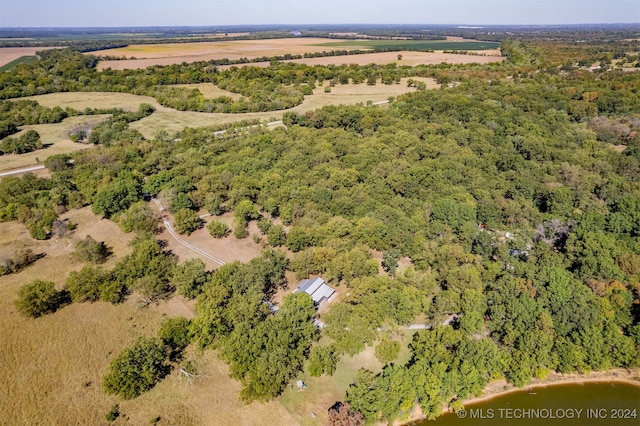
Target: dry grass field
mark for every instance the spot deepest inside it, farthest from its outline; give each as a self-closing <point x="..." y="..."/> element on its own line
<point x="81" y="100"/>
<point x="55" y="136"/>
<point x="168" y="54"/>
<point x="51" y="368"/>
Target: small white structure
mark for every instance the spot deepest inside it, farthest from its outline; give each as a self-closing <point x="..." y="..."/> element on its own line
<point x="317" y="289"/>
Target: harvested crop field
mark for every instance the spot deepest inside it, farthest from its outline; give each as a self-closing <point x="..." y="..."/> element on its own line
<point x="168" y="54"/>
<point x="10" y="54"/>
<point x="176" y="53"/>
<point x="410" y="58"/>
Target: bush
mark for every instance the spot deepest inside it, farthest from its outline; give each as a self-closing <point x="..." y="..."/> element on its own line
<point x="186" y="221"/>
<point x="240" y="228"/>
<point x="276" y="236"/>
<point x="387" y="351"/>
<point x="218" y="229"/>
<point x="175" y="333"/>
<point x="40" y="298"/>
<point x="86" y="285"/>
<point x="138" y="218"/>
<point x="189" y="278"/>
<point x="22" y="259"/>
<point x="90" y="250"/>
<point x="113" y="414"/>
<point x="137" y="369"/>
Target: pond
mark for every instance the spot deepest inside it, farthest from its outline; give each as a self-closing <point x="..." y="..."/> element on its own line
<point x="590" y="403"/>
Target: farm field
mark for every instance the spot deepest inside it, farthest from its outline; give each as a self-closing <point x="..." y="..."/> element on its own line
<point x="175" y="53"/>
<point x="21" y="60"/>
<point x="10" y="54"/>
<point x="457" y="44"/>
<point x="54" y="137"/>
<point x="167" y="54"/>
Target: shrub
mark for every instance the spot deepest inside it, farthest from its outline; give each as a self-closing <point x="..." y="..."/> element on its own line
<point x="137" y="369"/>
<point x="387" y="351"/>
<point x="86" y="285"/>
<point x="40" y="298"/>
<point x="186" y="221"/>
<point x="91" y="250"/>
<point x="218" y="229"/>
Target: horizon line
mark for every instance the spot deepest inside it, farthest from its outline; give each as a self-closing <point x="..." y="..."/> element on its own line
<point x="469" y="25"/>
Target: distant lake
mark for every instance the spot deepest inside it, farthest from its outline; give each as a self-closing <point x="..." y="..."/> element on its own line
<point x="591" y="403"/>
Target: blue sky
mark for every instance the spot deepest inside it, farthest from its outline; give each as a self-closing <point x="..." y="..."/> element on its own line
<point x="83" y="13"/>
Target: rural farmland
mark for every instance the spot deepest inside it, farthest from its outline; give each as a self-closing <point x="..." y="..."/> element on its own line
<point x="447" y="215"/>
<point x="167" y="54"/>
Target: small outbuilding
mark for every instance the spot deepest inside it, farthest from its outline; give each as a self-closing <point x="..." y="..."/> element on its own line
<point x="317" y="289"/>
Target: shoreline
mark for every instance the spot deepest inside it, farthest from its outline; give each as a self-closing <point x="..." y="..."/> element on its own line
<point x="621" y="375"/>
<point x="501" y="387"/>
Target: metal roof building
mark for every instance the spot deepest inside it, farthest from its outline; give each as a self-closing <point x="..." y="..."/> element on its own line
<point x="317" y="289"/>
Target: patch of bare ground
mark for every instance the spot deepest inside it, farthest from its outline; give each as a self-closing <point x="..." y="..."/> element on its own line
<point x="9" y="54"/>
<point x="227" y="249"/>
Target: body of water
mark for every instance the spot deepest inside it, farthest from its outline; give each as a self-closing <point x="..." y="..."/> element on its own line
<point x="588" y="404"/>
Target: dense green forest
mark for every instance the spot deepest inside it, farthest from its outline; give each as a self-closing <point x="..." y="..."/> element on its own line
<point x="515" y="195"/>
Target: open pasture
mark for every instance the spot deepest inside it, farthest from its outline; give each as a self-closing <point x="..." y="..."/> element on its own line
<point x="51" y="368"/>
<point x="172" y="120"/>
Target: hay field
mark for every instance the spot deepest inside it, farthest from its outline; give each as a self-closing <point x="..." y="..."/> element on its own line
<point x="51" y="368"/>
<point x="176" y="53"/>
<point x="81" y="100"/>
<point x="55" y="135"/>
<point x="10" y="54"/>
<point x="409" y="58"/>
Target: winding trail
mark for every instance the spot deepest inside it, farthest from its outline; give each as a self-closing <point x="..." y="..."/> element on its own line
<point x="175" y="235"/>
